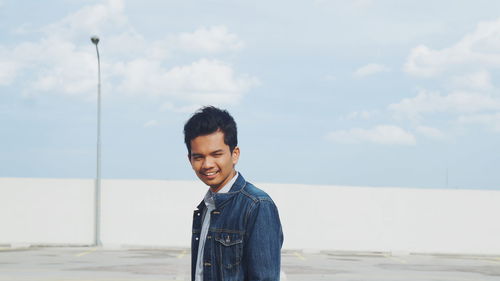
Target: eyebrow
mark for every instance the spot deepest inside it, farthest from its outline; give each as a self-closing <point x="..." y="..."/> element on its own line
<point x="213" y="152"/>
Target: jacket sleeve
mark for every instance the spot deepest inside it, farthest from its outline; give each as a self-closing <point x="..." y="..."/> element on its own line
<point x="264" y="238"/>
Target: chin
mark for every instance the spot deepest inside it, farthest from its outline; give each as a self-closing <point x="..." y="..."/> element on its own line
<point x="210" y="183"/>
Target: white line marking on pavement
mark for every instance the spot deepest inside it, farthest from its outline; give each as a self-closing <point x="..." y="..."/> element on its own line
<point x="395" y="259"/>
<point x="182" y="254"/>
<point x="86" y="252"/>
<point x="298" y="255"/>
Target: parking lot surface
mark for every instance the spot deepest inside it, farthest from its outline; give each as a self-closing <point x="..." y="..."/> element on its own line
<point x="101" y="264"/>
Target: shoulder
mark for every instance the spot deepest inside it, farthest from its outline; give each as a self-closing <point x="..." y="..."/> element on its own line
<point x="255" y="194"/>
<point x="249" y="192"/>
<point x="260" y="207"/>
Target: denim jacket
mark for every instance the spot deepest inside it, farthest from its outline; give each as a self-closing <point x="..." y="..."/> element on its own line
<point x="244" y="237"/>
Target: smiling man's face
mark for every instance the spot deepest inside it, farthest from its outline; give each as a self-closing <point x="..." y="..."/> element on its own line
<point x="212" y="160"/>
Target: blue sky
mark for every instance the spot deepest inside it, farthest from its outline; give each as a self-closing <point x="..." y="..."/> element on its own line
<point x="372" y="93"/>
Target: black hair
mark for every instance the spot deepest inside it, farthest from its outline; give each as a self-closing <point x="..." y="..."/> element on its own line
<point x="208" y="120"/>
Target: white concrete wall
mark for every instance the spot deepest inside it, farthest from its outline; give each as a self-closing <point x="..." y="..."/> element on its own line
<point x="158" y="213"/>
<point x="389" y="219"/>
<point x="46" y="211"/>
<point x="149" y="212"/>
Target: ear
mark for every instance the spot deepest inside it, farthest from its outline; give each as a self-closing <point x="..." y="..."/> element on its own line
<point x="235" y="155"/>
<point x="189" y="157"/>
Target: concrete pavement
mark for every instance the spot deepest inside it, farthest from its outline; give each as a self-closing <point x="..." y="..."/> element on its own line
<point x="101" y="264"/>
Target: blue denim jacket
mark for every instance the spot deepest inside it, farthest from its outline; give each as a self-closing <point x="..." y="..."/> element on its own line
<point x="244" y="238"/>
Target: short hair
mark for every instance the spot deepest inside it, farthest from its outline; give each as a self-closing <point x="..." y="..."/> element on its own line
<point x="208" y="120"/>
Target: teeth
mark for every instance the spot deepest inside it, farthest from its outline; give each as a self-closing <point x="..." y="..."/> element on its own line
<point x="210" y="174"/>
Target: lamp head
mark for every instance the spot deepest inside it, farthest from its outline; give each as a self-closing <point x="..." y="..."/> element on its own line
<point x="94" y="39"/>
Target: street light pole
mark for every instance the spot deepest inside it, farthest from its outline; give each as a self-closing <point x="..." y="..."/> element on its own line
<point x="97" y="242"/>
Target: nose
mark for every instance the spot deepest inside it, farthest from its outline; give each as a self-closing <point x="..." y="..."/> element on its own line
<point x="208" y="163"/>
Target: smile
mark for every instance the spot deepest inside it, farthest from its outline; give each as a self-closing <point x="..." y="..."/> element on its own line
<point x="210" y="174"/>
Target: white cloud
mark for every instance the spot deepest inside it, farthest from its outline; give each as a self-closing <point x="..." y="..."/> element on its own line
<point x="213" y="39"/>
<point x="9" y="66"/>
<point x="466" y="69"/>
<point x="55" y="65"/>
<point x="130" y="64"/>
<point x="8" y="69"/>
<point x="208" y="81"/>
<point x="90" y="20"/>
<point x="65" y="69"/>
<point x="129" y="45"/>
<point x="203" y="81"/>
<point x="168" y="106"/>
<point x="479" y="49"/>
<point x="491" y="121"/>
<point x="382" y="134"/>
<point x="370" y="69"/>
<point x="430" y="132"/>
<point x="455" y="102"/>
<point x="480" y="80"/>
<point x="151" y="123"/>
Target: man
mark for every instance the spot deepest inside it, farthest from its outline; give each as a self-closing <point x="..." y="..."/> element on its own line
<point x="237" y="232"/>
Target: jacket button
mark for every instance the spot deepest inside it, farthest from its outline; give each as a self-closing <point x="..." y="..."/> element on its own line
<point x="196" y="238"/>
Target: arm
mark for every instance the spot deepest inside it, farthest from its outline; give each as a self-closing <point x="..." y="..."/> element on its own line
<point x="264" y="237"/>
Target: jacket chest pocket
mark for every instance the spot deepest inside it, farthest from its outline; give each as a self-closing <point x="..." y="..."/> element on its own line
<point x="229" y="247"/>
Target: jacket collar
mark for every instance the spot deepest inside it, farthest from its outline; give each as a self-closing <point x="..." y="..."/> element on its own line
<point x="221" y="199"/>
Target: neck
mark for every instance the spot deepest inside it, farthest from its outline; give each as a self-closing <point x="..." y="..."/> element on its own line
<point x="229" y="178"/>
